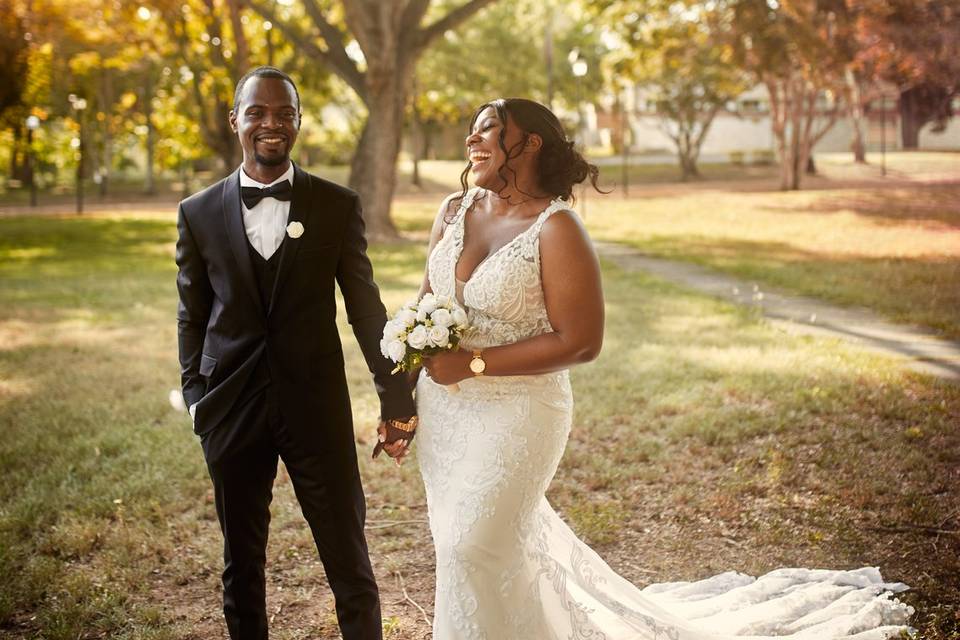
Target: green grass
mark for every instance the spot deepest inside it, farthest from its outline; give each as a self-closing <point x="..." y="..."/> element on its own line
<point x="704" y="440"/>
<point x="895" y="250"/>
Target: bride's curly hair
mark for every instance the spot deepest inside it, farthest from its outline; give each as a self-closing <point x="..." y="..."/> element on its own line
<point x="559" y="165"/>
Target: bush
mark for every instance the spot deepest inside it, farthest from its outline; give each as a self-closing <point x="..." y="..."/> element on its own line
<point x="762" y="157"/>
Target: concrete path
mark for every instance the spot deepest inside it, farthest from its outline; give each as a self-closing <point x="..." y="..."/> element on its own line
<point x="922" y="349"/>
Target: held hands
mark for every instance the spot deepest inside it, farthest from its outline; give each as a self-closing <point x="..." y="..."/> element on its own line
<point x="395" y="436"/>
<point x="449" y="367"/>
<point x="397" y="450"/>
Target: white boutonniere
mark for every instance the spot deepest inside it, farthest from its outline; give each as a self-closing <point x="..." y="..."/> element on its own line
<point x="295" y="230"/>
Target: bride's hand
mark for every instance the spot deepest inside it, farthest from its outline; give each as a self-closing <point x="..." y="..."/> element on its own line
<point x="448" y="367"/>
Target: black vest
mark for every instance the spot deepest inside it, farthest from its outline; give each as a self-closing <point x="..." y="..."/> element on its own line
<point x="265" y="273"/>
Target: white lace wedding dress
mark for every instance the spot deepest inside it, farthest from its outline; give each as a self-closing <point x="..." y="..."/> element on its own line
<point x="508" y="568"/>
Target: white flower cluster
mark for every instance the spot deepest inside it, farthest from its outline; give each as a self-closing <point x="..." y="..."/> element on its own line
<point x="430" y="325"/>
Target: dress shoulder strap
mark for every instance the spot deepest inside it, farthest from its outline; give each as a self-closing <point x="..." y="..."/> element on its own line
<point x="466" y="203"/>
<point x="552" y="208"/>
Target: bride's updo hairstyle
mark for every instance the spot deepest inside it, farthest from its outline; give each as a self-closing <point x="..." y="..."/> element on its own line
<point x="559" y="165"/>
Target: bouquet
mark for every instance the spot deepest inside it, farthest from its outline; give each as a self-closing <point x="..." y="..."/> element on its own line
<point x="423" y="328"/>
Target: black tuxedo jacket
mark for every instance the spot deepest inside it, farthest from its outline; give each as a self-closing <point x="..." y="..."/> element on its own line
<point x="224" y="329"/>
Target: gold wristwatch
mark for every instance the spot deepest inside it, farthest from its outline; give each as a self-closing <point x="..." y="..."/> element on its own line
<point x="478" y="365"/>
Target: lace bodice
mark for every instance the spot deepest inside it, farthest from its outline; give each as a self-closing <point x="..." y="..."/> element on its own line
<point x="504" y="295"/>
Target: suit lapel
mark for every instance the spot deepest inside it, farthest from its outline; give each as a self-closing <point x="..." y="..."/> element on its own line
<point x="299" y="212"/>
<point x="237" y="234"/>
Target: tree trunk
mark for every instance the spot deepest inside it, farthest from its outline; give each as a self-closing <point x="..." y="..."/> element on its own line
<point x="106" y="102"/>
<point x="687" y="155"/>
<point x="416" y="140"/>
<point x="373" y="172"/>
<point x="15" y="153"/>
<point x="855" y="96"/>
<point x="689" y="168"/>
<point x="857" y="145"/>
<point x="148" y="185"/>
<point x="910" y="120"/>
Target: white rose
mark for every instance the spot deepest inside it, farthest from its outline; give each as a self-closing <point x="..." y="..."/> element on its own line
<point x="439" y="336"/>
<point x="421" y="316"/>
<point x="295" y="230"/>
<point x="396" y="350"/>
<point x="407" y="316"/>
<point x="418" y="337"/>
<point x="459" y="317"/>
<point x="445" y="301"/>
<point x="441" y="317"/>
<point x="428" y="303"/>
<point x="394" y="330"/>
<point x="383" y="347"/>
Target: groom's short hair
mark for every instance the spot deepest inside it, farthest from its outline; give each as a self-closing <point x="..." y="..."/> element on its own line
<point x="264" y="72"/>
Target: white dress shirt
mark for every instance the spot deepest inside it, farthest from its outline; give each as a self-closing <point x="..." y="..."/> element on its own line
<point x="266" y="223"/>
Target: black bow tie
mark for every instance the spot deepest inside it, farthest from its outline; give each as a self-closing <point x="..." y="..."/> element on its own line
<point x="251" y="196"/>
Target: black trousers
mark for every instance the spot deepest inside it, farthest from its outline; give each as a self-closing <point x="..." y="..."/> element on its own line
<point x="242" y="459"/>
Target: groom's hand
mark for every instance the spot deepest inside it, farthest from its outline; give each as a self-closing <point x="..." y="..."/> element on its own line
<point x="397" y="449"/>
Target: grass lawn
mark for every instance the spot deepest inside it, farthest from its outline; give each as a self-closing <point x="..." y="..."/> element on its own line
<point x="895" y="250"/>
<point x="892" y="245"/>
<point x="704" y="440"/>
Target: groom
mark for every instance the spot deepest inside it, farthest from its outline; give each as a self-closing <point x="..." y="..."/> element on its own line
<point x="262" y="365"/>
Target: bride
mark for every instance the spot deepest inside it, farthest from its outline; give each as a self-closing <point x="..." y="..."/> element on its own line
<point x="514" y="254"/>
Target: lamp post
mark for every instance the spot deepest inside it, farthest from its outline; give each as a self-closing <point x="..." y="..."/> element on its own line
<point x="626" y="137"/>
<point x="79" y="105"/>
<point x="579" y="67"/>
<point x="33" y="123"/>
<point x="883" y="135"/>
<point x="268" y="27"/>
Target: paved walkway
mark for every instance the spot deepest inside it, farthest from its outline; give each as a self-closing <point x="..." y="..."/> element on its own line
<point x="923" y="350"/>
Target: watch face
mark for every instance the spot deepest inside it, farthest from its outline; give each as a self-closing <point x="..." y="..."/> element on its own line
<point x="477" y="365"/>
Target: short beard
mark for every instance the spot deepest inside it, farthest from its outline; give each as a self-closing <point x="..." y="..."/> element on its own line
<point x="271" y="162"/>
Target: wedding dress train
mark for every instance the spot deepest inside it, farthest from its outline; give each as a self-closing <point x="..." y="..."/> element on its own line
<point x="508" y="568"/>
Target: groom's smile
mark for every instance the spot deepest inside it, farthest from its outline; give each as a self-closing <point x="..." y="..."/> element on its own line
<point x="266" y="119"/>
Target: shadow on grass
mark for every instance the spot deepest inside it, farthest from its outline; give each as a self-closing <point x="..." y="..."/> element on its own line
<point x="892" y="204"/>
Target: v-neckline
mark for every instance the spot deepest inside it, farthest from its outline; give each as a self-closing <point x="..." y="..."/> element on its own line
<point x="463" y="233"/>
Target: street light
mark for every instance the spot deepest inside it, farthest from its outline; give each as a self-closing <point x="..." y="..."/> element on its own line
<point x="883" y="134"/>
<point x="579" y="67"/>
<point x="33" y="123"/>
<point x="79" y="104"/>
<point x="626" y="137"/>
<point x="268" y="27"/>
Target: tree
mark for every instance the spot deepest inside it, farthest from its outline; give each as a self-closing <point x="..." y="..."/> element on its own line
<point x="14" y="53"/>
<point x="390" y="37"/>
<point x="683" y="66"/>
<point x="914" y="45"/>
<point x="448" y="90"/>
<point x="208" y="42"/>
<point x="799" y="50"/>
